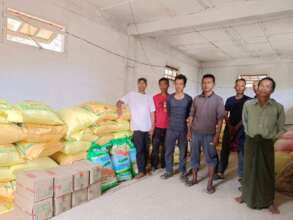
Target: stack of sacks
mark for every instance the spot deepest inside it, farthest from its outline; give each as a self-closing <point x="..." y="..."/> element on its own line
<point x="78" y="137"/>
<point x="108" y="125"/>
<point x="10" y="133"/>
<point x="283" y="151"/>
<point x="44" y="131"/>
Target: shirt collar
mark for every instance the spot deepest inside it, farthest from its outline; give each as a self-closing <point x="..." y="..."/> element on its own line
<point x="202" y="95"/>
<point x="270" y="101"/>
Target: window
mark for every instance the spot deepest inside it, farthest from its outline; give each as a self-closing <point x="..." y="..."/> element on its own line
<point x="252" y="78"/>
<point x="26" y="29"/>
<point x="171" y="72"/>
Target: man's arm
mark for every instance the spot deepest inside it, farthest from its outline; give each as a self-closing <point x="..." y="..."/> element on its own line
<point x="244" y="118"/>
<point x="120" y="103"/>
<point x="152" y="110"/>
<point x="220" y="118"/>
<point x="190" y="120"/>
<point x="281" y="122"/>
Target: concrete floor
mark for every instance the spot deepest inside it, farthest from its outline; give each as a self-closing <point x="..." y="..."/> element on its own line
<point x="153" y="198"/>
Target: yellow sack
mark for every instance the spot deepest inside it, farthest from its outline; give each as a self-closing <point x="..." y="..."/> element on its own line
<point x="7" y="190"/>
<point x="38" y="113"/>
<point x="77" y="119"/>
<point x="64" y="159"/>
<point x="5" y="206"/>
<point x="84" y="135"/>
<point x="9" y="114"/>
<point x="36" y="133"/>
<point x="111" y="127"/>
<point x="281" y="161"/>
<point x="9" y="155"/>
<point x="11" y="133"/>
<point x="6" y="175"/>
<point x="104" y="112"/>
<point x="37" y="164"/>
<point x="32" y="151"/>
<point x="74" y="147"/>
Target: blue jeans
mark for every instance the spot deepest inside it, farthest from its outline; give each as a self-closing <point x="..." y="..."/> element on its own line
<point x="170" y="142"/>
<point x="206" y="142"/>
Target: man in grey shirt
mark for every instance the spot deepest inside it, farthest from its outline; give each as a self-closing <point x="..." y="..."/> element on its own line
<point x="178" y="107"/>
<point x="205" y="122"/>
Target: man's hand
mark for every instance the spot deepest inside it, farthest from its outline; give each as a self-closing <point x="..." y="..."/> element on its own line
<point x="151" y="132"/>
<point x="189" y="136"/>
<point x="119" y="108"/>
<point x="216" y="140"/>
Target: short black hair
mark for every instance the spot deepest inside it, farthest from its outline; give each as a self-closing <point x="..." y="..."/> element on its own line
<point x="181" y="77"/>
<point x="209" y="76"/>
<point x="241" y="79"/>
<point x="270" y="79"/>
<point x="164" y="79"/>
<point x="142" y="79"/>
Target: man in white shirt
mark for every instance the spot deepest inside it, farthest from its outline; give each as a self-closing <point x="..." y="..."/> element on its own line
<point x="142" y="110"/>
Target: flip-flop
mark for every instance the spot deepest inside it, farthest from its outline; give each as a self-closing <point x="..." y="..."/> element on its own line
<point x="211" y="190"/>
<point x="190" y="183"/>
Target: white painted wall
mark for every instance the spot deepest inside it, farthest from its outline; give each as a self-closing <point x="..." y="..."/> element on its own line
<point x="159" y="54"/>
<point x="83" y="72"/>
<point x="280" y="70"/>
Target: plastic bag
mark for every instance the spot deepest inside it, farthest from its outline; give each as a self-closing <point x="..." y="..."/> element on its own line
<point x="77" y="119"/>
<point x="99" y="155"/>
<point x="9" y="155"/>
<point x="132" y="157"/>
<point x="9" y="113"/>
<point x="111" y="127"/>
<point x="38" y="113"/>
<point x="43" y="133"/>
<point x="120" y="159"/>
<point x="32" y="151"/>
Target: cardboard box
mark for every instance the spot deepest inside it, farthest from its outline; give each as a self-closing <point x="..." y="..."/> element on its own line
<point x="79" y="197"/>
<point x="62" y="204"/>
<point x="41" y="210"/>
<point x="94" y="169"/>
<point x="34" y="185"/>
<point x="63" y="181"/>
<point x="80" y="176"/>
<point x="94" y="191"/>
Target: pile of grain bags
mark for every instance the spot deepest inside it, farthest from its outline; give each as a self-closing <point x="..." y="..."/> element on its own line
<point x="44" y="131"/>
<point x="12" y="159"/>
<point x="283" y="151"/>
<point x="108" y="125"/>
<point x="79" y="136"/>
<point x="284" y="162"/>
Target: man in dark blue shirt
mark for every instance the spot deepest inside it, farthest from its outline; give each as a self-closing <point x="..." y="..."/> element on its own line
<point x="178" y="107"/>
<point x="234" y="131"/>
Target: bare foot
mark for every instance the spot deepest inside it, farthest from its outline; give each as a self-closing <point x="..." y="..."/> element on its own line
<point x="239" y="199"/>
<point x="274" y="209"/>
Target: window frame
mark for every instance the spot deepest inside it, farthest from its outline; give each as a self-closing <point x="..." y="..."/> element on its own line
<point x="40" y="23"/>
<point x="171" y="75"/>
<point x="249" y="78"/>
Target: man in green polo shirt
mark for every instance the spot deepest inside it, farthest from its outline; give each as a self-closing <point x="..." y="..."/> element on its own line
<point x="263" y="119"/>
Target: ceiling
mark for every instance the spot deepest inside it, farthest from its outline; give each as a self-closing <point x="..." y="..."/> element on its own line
<point x="268" y="33"/>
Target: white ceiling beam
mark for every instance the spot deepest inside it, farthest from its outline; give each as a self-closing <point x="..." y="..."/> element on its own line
<point x="233" y="11"/>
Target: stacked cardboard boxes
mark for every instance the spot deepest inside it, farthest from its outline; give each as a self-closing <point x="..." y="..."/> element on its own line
<point x="34" y="195"/>
<point x="43" y="194"/>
